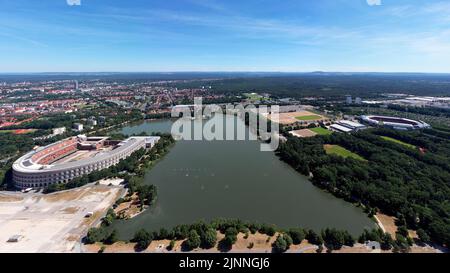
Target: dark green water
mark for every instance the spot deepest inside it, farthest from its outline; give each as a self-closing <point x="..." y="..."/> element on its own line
<point x="233" y="179"/>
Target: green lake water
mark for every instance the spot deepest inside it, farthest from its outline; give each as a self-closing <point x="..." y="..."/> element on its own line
<point x="234" y="179"/>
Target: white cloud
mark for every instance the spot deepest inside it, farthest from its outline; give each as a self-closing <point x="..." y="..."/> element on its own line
<point x="374" y="2"/>
<point x="73" y="2"/>
<point x="440" y="11"/>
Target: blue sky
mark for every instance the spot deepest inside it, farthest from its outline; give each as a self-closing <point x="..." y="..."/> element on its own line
<point x="227" y="35"/>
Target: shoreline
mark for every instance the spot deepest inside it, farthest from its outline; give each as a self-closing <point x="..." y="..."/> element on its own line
<point x="260" y="241"/>
<point x="379" y="223"/>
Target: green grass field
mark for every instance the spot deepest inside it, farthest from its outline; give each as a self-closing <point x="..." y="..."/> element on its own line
<point x="6" y="131"/>
<point x="341" y="151"/>
<point x="310" y="117"/>
<point x="398" y="142"/>
<point x="321" y="131"/>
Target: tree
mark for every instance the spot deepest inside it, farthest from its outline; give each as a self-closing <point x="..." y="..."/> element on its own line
<point x="230" y="237"/>
<point x="423" y="236"/>
<point x="288" y="239"/>
<point x="96" y="235"/>
<point x="147" y="194"/>
<point x="193" y="241"/>
<point x="163" y="234"/>
<point x="209" y="238"/>
<point x="143" y="239"/>
<point x="254" y="227"/>
<point x="314" y="238"/>
<point x="181" y="232"/>
<point x="333" y="239"/>
<point x="112" y="238"/>
<point x="370" y="235"/>
<point x="402" y="230"/>
<point x="109" y="218"/>
<point x="382" y="184"/>
<point x="297" y="235"/>
<point x="401" y="243"/>
<point x="171" y="245"/>
<point x="280" y="244"/>
<point x="348" y="239"/>
<point x="267" y="229"/>
<point x="362" y="239"/>
<point x="386" y="241"/>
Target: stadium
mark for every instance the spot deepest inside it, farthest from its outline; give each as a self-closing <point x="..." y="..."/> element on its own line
<point x="395" y="122"/>
<point x="72" y="157"/>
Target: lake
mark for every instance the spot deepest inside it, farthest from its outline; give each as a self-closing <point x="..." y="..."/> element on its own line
<point x="234" y="179"/>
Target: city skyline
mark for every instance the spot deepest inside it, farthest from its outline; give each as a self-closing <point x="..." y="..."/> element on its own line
<point x="196" y="35"/>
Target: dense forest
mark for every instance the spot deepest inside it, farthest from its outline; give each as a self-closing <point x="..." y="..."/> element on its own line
<point x="331" y="85"/>
<point x="411" y="184"/>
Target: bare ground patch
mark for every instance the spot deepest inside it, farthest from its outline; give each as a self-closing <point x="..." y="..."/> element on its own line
<point x="10" y="198"/>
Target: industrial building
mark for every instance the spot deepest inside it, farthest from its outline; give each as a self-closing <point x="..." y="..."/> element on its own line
<point x="355" y="126"/>
<point x="340" y="128"/>
<point x="347" y="126"/>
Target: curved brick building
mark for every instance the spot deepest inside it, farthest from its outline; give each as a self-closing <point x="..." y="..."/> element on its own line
<point x="64" y="160"/>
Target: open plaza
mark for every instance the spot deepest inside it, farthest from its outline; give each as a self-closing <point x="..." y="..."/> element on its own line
<point x="34" y="222"/>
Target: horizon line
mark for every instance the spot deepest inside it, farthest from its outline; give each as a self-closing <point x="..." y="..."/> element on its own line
<point x="223" y="71"/>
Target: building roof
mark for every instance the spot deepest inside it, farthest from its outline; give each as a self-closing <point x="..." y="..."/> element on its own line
<point x="341" y="128"/>
<point x="351" y="123"/>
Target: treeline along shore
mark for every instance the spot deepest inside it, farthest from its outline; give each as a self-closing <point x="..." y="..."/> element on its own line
<point x="409" y="182"/>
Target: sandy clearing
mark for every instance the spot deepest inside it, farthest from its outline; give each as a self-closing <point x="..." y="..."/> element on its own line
<point x="129" y="209"/>
<point x="10" y="198"/>
<point x="387" y="223"/>
<point x="70" y="210"/>
<point x="303" y="133"/>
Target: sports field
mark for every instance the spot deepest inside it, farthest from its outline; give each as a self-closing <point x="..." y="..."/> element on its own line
<point x="398" y="142"/>
<point x="309" y="117"/>
<point x="321" y="131"/>
<point x="341" y="151"/>
<point x="294" y="117"/>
